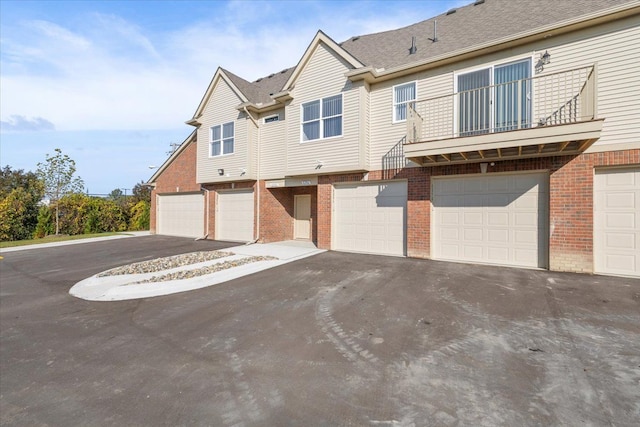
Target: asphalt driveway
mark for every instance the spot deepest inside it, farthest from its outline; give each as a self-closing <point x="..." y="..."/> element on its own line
<point x="335" y="339"/>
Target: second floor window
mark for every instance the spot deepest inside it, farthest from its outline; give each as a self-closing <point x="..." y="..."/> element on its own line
<point x="322" y="118"/>
<point x="402" y="96"/>
<point x="222" y="139"/>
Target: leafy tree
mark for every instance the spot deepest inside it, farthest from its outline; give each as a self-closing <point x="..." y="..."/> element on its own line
<point x="116" y="194"/>
<point x="58" y="176"/>
<point x="141" y="192"/>
<point x="20" y="194"/>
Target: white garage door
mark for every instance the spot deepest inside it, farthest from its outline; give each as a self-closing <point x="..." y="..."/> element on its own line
<point x="181" y="215"/>
<point x="495" y="219"/>
<point x="234" y="216"/>
<point x="617" y="221"/>
<point x="370" y="218"/>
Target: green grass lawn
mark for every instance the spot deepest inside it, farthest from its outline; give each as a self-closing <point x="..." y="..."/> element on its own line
<point x="50" y="239"/>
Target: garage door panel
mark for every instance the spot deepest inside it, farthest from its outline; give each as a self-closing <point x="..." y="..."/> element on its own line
<point x="376" y="223"/>
<point x="181" y="215"/>
<point x="617" y="221"/>
<point x="621" y="200"/>
<point x="498" y="236"/>
<point x="472" y="218"/>
<point x="473" y="234"/>
<point x="235" y="216"/>
<point x="497" y="218"/>
<point x="621" y="241"/>
<point x="508" y="227"/>
<point x="522" y="219"/>
<point x="621" y="220"/>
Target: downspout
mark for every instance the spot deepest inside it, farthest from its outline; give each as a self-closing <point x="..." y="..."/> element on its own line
<point x="203" y="188"/>
<point x="255" y="123"/>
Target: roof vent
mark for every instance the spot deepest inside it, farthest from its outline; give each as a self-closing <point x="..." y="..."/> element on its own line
<point x="477" y="2"/>
<point x="259" y="80"/>
<point x="435" y="32"/>
<point x="413" y="49"/>
<point x="451" y="11"/>
<point x="284" y="71"/>
<point x="270" y="75"/>
<point x="355" y="38"/>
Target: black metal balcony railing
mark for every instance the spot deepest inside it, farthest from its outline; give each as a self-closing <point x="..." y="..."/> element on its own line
<point x="552" y="99"/>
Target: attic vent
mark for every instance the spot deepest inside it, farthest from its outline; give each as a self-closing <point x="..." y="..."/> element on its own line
<point x="413" y="49"/>
<point x="355" y="38"/>
<point x="451" y="11"/>
<point x="477" y="2"/>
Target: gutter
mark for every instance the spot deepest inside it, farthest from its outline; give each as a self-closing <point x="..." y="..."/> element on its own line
<point x="256" y="124"/>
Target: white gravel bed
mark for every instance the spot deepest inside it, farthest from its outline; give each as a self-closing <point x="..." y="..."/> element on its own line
<point x="189" y="274"/>
<point x="167" y="263"/>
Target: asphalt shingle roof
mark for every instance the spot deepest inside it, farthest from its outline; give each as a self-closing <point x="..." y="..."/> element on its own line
<point x="474" y="24"/>
<point x="478" y="23"/>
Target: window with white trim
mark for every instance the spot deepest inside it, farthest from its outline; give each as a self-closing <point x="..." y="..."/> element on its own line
<point x="222" y="139"/>
<point x="403" y="95"/>
<point x="322" y="118"/>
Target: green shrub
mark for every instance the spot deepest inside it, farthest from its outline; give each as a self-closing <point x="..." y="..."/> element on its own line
<point x="140" y="216"/>
<point x="45" y="224"/>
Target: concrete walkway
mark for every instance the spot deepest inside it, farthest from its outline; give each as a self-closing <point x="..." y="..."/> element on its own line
<point x="122" y="235"/>
<point x="124" y="287"/>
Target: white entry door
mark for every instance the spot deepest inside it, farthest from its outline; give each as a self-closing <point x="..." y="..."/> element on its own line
<point x="234" y="215"/>
<point x="302" y="217"/>
<point x="491" y="218"/>
<point x="616" y="221"/>
<point x="370" y="218"/>
<point x="181" y="215"/>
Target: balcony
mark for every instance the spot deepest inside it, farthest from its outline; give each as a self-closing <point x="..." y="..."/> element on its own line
<point x="549" y="115"/>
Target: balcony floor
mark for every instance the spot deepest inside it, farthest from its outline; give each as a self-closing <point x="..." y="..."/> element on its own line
<point x="543" y="141"/>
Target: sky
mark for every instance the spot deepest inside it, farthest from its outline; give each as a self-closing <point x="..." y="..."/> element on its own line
<point x="111" y="83"/>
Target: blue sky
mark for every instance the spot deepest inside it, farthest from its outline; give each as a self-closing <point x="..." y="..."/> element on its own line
<point x="111" y="83"/>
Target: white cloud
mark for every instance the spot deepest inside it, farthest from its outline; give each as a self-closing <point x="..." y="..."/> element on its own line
<point x="105" y="72"/>
<point x="18" y="123"/>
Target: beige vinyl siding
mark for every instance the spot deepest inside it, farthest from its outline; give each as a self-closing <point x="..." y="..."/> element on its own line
<point x="273" y="147"/>
<point x="323" y="76"/>
<point x="220" y="109"/>
<point x="614" y="47"/>
<point x="384" y="133"/>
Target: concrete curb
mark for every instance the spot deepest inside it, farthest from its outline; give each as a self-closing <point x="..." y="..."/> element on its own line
<point x="121" y="287"/>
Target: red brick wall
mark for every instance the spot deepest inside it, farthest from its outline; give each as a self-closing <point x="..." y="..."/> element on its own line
<point x="570" y="204"/>
<point x="178" y="177"/>
<point x="277" y="212"/>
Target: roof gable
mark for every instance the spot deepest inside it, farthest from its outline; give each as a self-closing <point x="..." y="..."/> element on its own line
<point x="320" y="38"/>
<point x="233" y="83"/>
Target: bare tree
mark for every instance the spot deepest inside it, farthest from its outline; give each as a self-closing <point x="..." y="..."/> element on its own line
<point x="58" y="176"/>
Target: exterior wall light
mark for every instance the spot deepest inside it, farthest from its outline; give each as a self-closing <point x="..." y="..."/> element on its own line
<point x="220" y="172"/>
<point x="544" y="60"/>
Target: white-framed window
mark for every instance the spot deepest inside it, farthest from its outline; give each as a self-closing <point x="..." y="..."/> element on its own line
<point x="222" y="139"/>
<point x="322" y="118"/>
<point x="272" y="118"/>
<point x="403" y="95"/>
